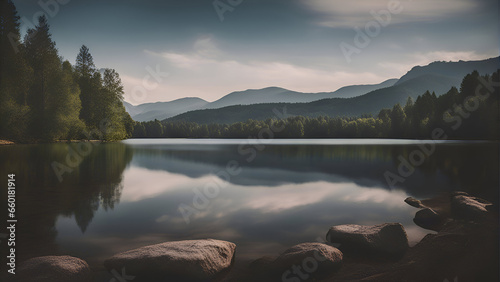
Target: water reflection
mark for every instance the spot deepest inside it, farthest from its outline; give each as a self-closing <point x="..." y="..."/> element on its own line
<point x="453" y="166"/>
<point x="126" y="195"/>
<point x="41" y="199"/>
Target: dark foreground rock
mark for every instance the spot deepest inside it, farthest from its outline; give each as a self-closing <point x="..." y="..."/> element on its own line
<point x="195" y="260"/>
<point x="429" y="219"/>
<point x="461" y="250"/>
<point x="414" y="202"/>
<point x="54" y="268"/>
<point x="387" y="240"/>
<point x="466" y="247"/>
<point x="311" y="259"/>
<point x="469" y="208"/>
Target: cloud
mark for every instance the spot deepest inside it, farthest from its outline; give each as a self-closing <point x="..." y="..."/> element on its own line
<point x="215" y="74"/>
<point x="338" y="13"/>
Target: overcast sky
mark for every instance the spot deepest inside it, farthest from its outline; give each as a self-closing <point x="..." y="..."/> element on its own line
<point x="295" y="44"/>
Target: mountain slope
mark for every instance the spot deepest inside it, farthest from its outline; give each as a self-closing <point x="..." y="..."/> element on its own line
<point x="438" y="77"/>
<point x="453" y="69"/>
<point x="372" y="103"/>
<point x="281" y="95"/>
<point x="163" y="110"/>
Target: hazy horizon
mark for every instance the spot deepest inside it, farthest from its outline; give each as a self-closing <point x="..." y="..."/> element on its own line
<point x="293" y="44"/>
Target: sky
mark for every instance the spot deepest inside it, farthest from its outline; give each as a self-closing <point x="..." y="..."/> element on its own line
<point x="170" y="49"/>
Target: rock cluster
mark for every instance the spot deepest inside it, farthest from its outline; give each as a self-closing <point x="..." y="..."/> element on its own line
<point x="352" y="252"/>
<point x="458" y="206"/>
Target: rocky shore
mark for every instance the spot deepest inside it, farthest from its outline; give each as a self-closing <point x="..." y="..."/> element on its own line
<point x="6" y="142"/>
<point x="465" y="248"/>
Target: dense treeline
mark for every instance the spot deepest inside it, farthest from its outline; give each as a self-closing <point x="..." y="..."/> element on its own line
<point x="43" y="98"/>
<point x="471" y="113"/>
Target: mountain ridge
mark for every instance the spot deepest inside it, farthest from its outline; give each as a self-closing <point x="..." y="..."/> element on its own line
<point x="272" y="94"/>
<point x="370" y="103"/>
<point x="441" y="76"/>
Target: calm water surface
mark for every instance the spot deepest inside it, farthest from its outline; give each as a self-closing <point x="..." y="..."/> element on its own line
<point x="125" y="195"/>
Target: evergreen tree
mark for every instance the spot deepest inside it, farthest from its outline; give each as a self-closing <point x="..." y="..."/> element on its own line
<point x="89" y="81"/>
<point x="398" y="120"/>
<point x="14" y="76"/>
<point x="43" y="58"/>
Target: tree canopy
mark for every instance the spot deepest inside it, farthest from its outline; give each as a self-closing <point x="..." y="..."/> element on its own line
<point x="43" y="98"/>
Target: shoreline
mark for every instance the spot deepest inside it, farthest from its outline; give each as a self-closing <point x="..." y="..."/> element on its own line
<point x="10" y="143"/>
<point x="4" y="142"/>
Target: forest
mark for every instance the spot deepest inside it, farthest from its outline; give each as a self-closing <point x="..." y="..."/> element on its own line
<point x="44" y="98"/>
<point x="469" y="113"/>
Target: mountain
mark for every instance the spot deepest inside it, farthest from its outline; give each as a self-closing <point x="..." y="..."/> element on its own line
<point x="453" y="69"/>
<point x="131" y="109"/>
<point x="281" y="95"/>
<point x="413" y="84"/>
<point x="163" y="110"/>
<point x="358" y="90"/>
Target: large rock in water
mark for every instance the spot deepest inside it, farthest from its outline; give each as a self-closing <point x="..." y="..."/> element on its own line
<point x="314" y="259"/>
<point x="429" y="219"/>
<point x="54" y="268"/>
<point x="414" y="202"/>
<point x="195" y="260"/>
<point x="387" y="240"/>
<point x="468" y="207"/>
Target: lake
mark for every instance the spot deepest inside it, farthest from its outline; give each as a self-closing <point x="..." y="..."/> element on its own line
<point x="264" y="196"/>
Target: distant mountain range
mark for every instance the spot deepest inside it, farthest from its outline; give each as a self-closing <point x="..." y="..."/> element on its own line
<point x="163" y="110"/>
<point x="347" y="101"/>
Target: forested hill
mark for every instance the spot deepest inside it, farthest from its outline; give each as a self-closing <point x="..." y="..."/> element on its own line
<point x="370" y="103"/>
<point x="163" y="110"/>
<point x="43" y="98"/>
<point x="452" y="69"/>
<point x="469" y="113"/>
<point x="449" y="74"/>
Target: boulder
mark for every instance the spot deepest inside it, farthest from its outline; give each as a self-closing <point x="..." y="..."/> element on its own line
<point x="468" y="207"/>
<point x="194" y="260"/>
<point x="429" y="219"/>
<point x="313" y="259"/>
<point x="54" y="268"/>
<point x="387" y="240"/>
<point x="459" y="193"/>
<point x="414" y="202"/>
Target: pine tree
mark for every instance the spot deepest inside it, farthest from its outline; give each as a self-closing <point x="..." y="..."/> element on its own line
<point x="89" y="81"/>
<point x="54" y="95"/>
<point x="398" y="119"/>
<point x="14" y="76"/>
